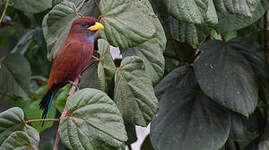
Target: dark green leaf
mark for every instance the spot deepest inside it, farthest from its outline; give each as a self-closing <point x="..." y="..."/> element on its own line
<point x="15" y="73"/>
<point x="147" y="144"/>
<point x="32" y="6"/>
<point x="24" y="42"/>
<point x="187" y="116"/>
<point x="134" y="93"/>
<point x="56" y="25"/>
<point x="230" y="22"/>
<point x="12" y="120"/>
<point x="122" y="27"/>
<point x="253" y="52"/>
<point x="93" y="122"/>
<point x="227" y="77"/>
<point x="106" y="66"/>
<point x="19" y="140"/>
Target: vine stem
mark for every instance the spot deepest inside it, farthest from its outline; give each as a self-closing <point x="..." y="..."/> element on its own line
<point x="4" y="11"/>
<point x="40" y="120"/>
<point x="70" y="94"/>
<point x="97" y="6"/>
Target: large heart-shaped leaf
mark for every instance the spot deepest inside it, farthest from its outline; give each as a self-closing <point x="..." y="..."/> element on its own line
<point x="151" y="51"/>
<point x="106" y="66"/>
<point x="254" y="53"/>
<point x="56" y="25"/>
<point x="230" y="22"/>
<point x="134" y="93"/>
<point x="186" y="116"/>
<point x="192" y="11"/>
<point x="12" y="120"/>
<point x="122" y="27"/>
<point x="227" y="77"/>
<point x="15" y="74"/>
<point x="93" y="122"/>
<point x="19" y="140"/>
<point x="241" y="7"/>
<point x="32" y="6"/>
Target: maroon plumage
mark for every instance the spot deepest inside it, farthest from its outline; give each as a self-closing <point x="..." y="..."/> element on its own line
<point x="72" y="59"/>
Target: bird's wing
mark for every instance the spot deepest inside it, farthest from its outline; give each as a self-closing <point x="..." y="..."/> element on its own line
<point x="66" y="62"/>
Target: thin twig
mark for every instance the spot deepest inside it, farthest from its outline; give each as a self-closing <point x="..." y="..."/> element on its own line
<point x="4" y="11"/>
<point x="223" y="37"/>
<point x="39" y="79"/>
<point x="40" y="120"/>
<point x="70" y="94"/>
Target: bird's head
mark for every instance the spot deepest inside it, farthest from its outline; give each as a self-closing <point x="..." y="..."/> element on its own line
<point x="87" y="25"/>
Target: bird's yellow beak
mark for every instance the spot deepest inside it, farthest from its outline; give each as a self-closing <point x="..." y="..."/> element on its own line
<point x="97" y="26"/>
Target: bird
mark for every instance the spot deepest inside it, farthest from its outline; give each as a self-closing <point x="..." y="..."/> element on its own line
<point x="72" y="59"/>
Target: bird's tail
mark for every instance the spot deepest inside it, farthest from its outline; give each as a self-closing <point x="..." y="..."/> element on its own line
<point x="46" y="101"/>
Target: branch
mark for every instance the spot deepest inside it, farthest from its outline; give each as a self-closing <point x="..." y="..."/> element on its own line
<point x="40" y="120"/>
<point x="70" y="94"/>
<point x="4" y="11"/>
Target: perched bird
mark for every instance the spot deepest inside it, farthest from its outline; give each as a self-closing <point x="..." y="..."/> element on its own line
<point x="72" y="59"/>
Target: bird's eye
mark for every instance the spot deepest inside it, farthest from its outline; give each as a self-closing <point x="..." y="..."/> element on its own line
<point x="86" y="25"/>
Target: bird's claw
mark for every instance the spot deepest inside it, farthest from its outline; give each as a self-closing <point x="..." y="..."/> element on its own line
<point x="95" y="58"/>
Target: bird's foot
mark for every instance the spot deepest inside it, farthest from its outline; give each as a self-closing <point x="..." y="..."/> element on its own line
<point x="74" y="84"/>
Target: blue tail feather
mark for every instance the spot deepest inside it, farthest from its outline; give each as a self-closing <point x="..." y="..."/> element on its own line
<point x="46" y="102"/>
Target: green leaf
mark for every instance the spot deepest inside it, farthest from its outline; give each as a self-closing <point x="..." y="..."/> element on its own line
<point x="32" y="6"/>
<point x="15" y="73"/>
<point x="56" y="25"/>
<point x="134" y="93"/>
<point x="227" y="77"/>
<point x="147" y="144"/>
<point x="89" y="78"/>
<point x="230" y="22"/>
<point x="24" y="42"/>
<point x="240" y="7"/>
<point x="32" y="111"/>
<point x="12" y="120"/>
<point x="106" y="66"/>
<point x="192" y="11"/>
<point x="122" y="28"/>
<point x="187" y="116"/>
<point x="151" y="51"/>
<point x="19" y="140"/>
<point x="89" y="9"/>
<point x="60" y="100"/>
<point x="93" y="122"/>
<point x="254" y="53"/>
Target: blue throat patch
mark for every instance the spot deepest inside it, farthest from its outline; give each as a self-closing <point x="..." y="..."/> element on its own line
<point x="91" y="37"/>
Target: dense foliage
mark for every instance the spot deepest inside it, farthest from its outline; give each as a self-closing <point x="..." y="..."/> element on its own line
<point x="195" y="69"/>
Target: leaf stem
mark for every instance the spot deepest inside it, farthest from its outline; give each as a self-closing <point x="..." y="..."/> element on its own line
<point x="4" y="11"/>
<point x="40" y="120"/>
<point x="70" y="94"/>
